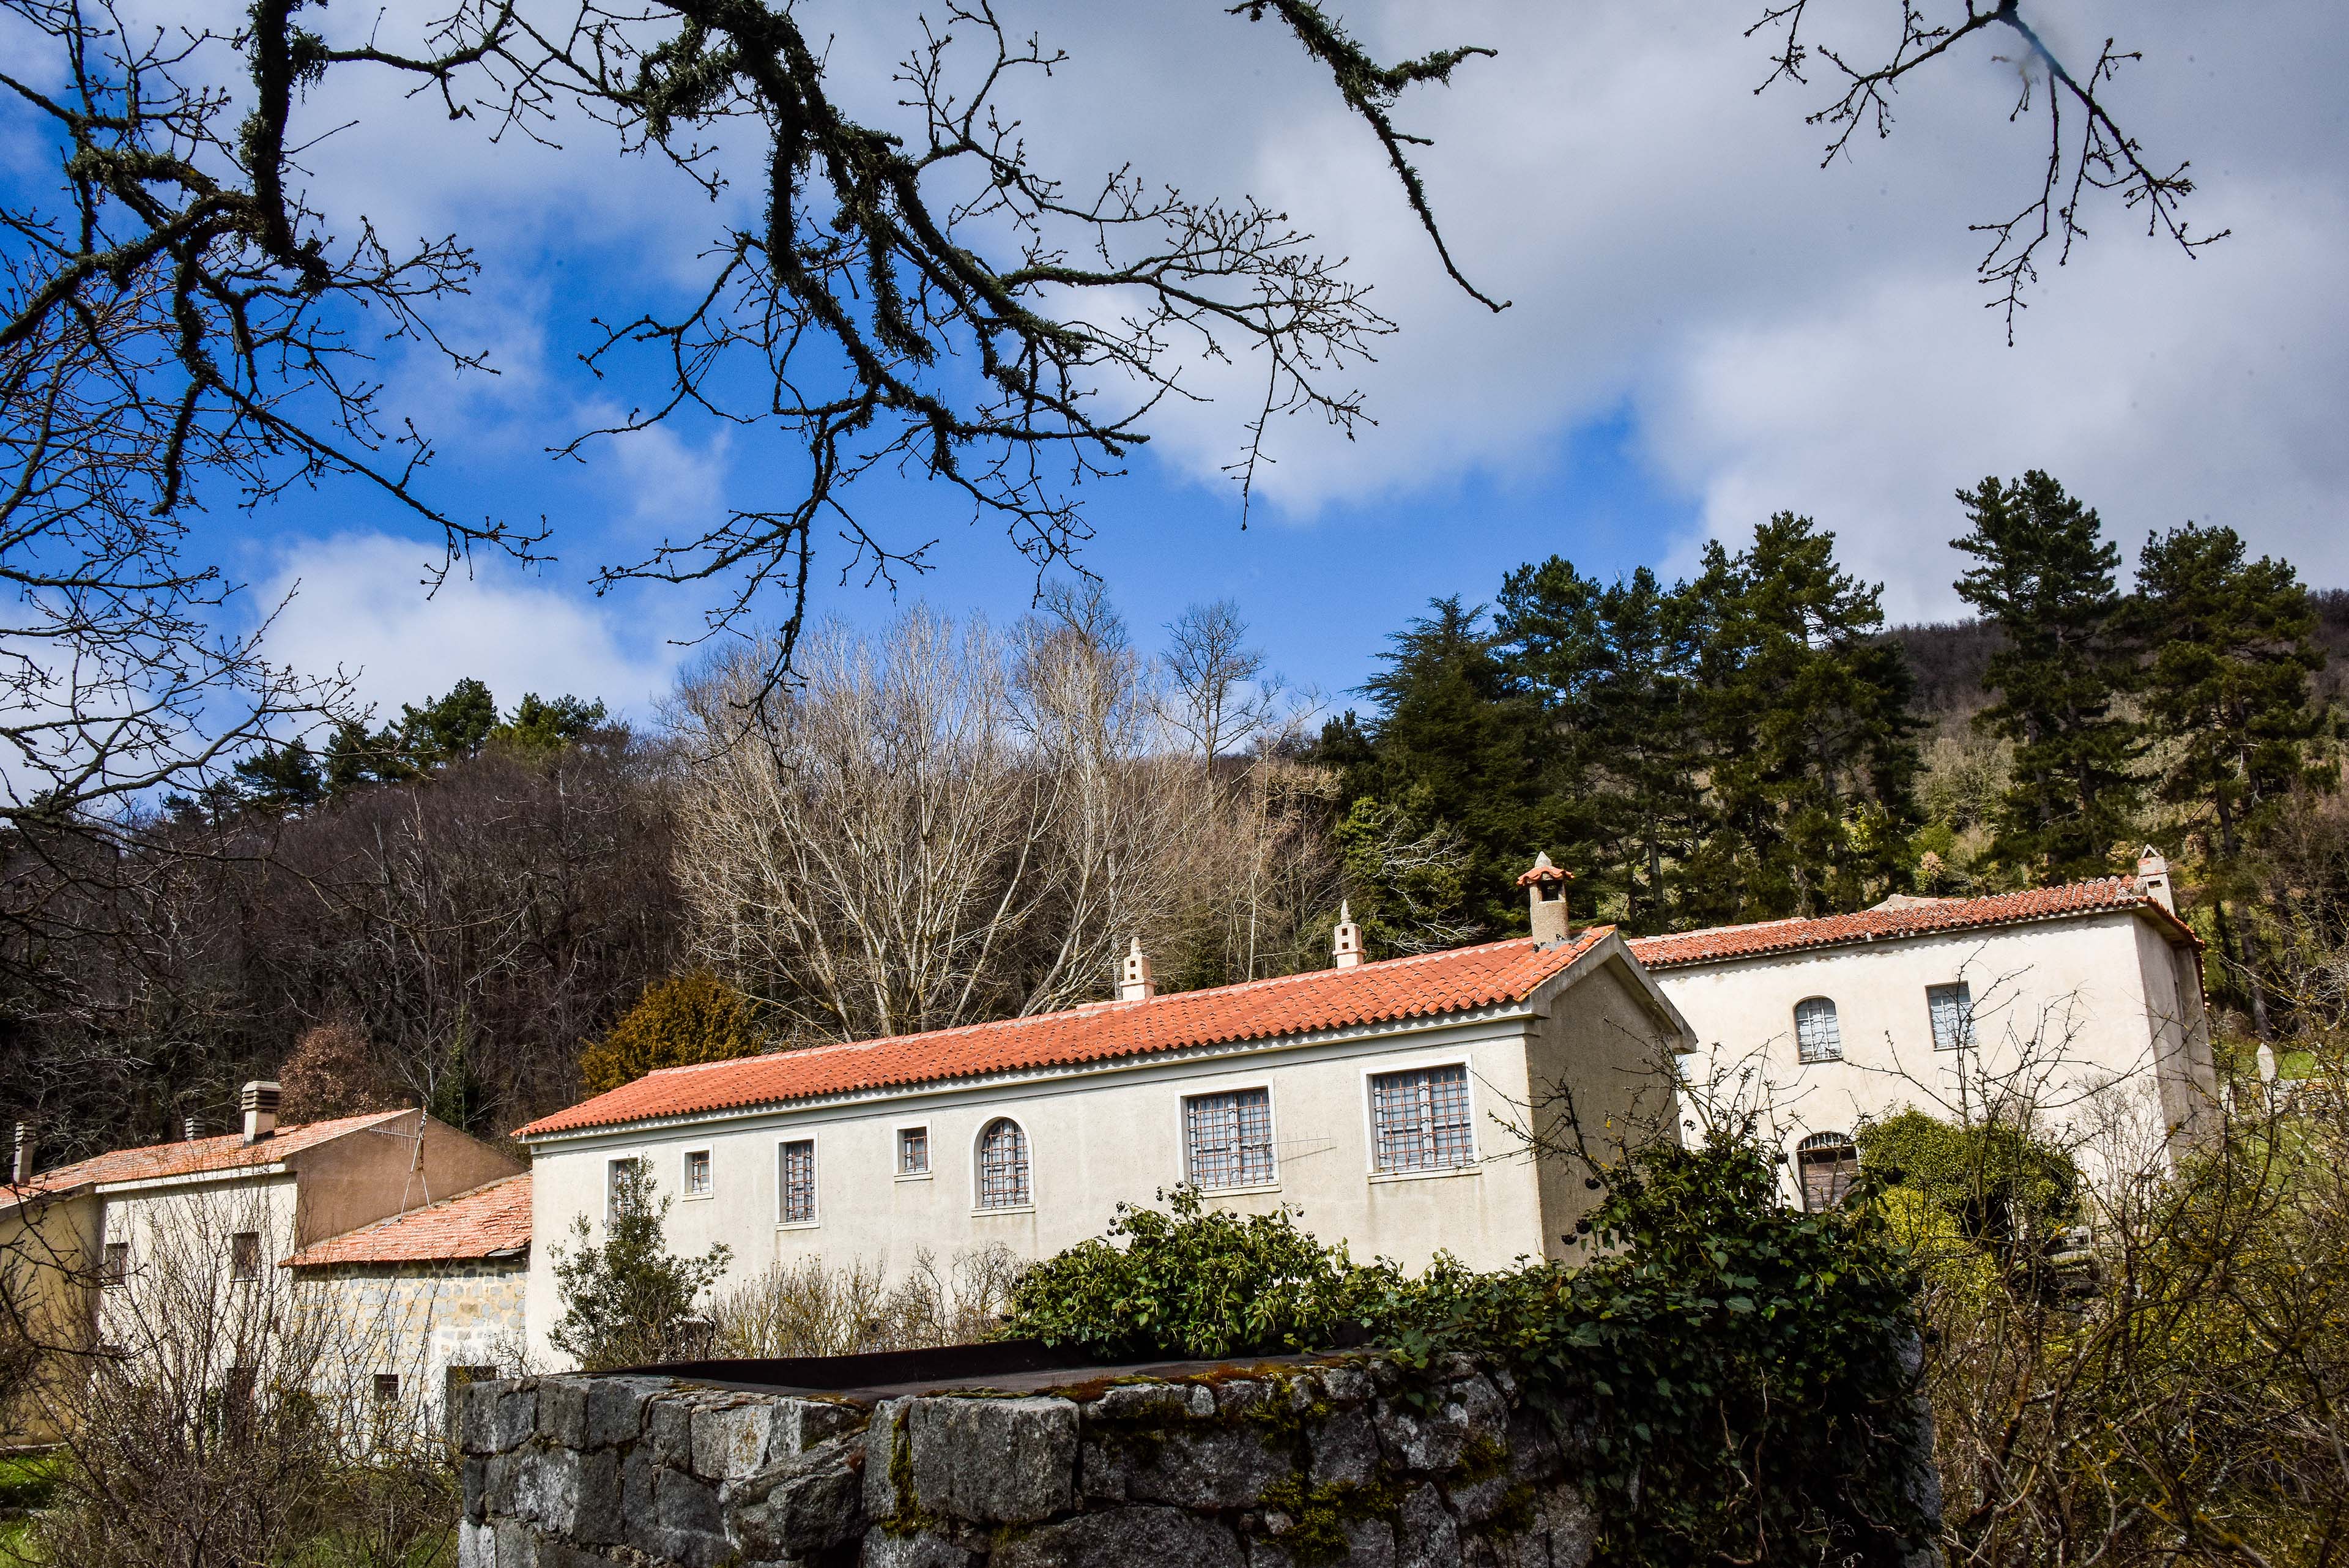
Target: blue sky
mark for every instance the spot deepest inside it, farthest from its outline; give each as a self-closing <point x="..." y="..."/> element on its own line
<point x="1709" y="328"/>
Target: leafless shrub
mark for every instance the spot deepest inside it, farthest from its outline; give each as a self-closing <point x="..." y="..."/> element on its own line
<point x="807" y="1309"/>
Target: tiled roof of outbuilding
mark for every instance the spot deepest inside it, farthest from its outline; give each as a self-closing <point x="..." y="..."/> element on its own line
<point x="1426" y="986"/>
<point x="1915" y="918"/>
<point x="196" y="1157"/>
<point x="489" y="1222"/>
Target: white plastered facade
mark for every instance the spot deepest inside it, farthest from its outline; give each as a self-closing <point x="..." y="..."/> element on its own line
<point x="1107" y="1132"/>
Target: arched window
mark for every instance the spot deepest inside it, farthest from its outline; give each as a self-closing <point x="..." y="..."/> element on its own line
<point x="1003" y="1166"/>
<point x="1817" y="1037"/>
<point x="1828" y="1163"/>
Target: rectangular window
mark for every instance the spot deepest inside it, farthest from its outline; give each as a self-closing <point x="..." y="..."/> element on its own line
<point x="799" y="1182"/>
<point x="913" y="1151"/>
<point x="615" y="1176"/>
<point x="1229" y="1139"/>
<point x="696" y="1173"/>
<point x="386" y="1388"/>
<point x="1419" y="1119"/>
<point x="1819" y="1036"/>
<point x="118" y="1263"/>
<point x="1953" y="1011"/>
<point x="245" y="1255"/>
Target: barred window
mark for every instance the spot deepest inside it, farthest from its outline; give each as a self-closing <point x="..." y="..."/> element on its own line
<point x="1421" y="1119"/>
<point x="245" y="1255"/>
<point x="1817" y="1037"/>
<point x="616" y="1187"/>
<point x="118" y="1263"/>
<point x="913" y="1151"/>
<point x="1229" y="1139"/>
<point x="1952" y="1008"/>
<point x="1003" y="1166"/>
<point x="386" y="1388"/>
<point x="696" y="1173"/>
<point x="798" y="1159"/>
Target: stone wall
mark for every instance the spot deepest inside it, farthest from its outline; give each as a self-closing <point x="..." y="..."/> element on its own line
<point x="418" y="1320"/>
<point x="1255" y="1466"/>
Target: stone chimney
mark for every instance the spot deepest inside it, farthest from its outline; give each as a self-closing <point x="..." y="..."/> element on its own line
<point x="21" y="1168"/>
<point x="1544" y="887"/>
<point x="1133" y="984"/>
<point x="260" y="1099"/>
<point x="2153" y="878"/>
<point x="1348" y="938"/>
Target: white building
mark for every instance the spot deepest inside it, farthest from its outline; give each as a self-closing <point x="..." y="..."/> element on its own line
<point x="2078" y="1007"/>
<point x="1391" y="1102"/>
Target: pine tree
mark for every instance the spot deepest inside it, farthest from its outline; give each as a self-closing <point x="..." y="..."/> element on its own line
<point x="2227" y="690"/>
<point x="1811" y="746"/>
<point x="538" y="725"/>
<point x="2046" y="577"/>
<point x="1610" y="669"/>
<point x="282" y="779"/>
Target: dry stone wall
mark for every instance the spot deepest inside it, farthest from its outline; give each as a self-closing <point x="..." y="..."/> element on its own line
<point x="1263" y="1466"/>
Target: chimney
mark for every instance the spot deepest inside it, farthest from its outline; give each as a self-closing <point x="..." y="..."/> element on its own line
<point x="188" y="1129"/>
<point x="1544" y="887"/>
<point x="22" y="1169"/>
<point x="1349" y="938"/>
<point x="2153" y="878"/>
<point x="260" y="1099"/>
<point x="1133" y="981"/>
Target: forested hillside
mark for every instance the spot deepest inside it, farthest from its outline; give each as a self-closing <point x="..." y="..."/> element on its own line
<point x="485" y="907"/>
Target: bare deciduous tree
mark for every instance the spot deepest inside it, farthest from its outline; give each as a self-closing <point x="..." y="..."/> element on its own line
<point x="1221" y="698"/>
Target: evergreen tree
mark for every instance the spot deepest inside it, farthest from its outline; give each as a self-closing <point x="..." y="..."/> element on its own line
<point x="2227" y="691"/>
<point x="631" y="1301"/>
<point x="1811" y="746"/>
<point x="447" y="728"/>
<point x="1610" y="669"/>
<point x="282" y="779"/>
<point x="1458" y="746"/>
<point x="2046" y="577"/>
<point x="688" y="1018"/>
<point x="538" y="725"/>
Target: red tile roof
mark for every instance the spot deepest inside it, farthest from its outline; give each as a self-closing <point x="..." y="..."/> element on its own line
<point x="193" y="1156"/>
<point x="1919" y="917"/>
<point x="1423" y="987"/>
<point x="489" y="1221"/>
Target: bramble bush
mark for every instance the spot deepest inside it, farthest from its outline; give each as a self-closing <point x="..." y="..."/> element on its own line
<point x="1745" y="1376"/>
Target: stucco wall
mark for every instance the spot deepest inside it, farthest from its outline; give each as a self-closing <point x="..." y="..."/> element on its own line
<point x="1095" y="1137"/>
<point x="47" y="1252"/>
<point x="1612" y="1052"/>
<point x="2061" y="1010"/>
<point x="373" y="1173"/>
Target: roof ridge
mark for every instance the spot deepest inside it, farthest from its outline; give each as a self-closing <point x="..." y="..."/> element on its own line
<point x="355" y="1121"/>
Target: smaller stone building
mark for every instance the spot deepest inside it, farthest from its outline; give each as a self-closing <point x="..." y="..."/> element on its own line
<point x="430" y="1300"/>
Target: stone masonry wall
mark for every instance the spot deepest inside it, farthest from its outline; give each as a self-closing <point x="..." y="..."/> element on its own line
<point x="1269" y="1466"/>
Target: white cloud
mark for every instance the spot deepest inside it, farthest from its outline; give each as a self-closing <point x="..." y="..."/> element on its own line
<point x="359" y="606"/>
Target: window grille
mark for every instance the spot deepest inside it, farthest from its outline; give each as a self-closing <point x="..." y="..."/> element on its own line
<point x="1003" y="1166"/>
<point x="696" y="1173"/>
<point x="386" y="1388"/>
<point x="1829" y="1164"/>
<point x="799" y="1182"/>
<point x="1421" y="1119"/>
<point x="1817" y="1037"/>
<point x="1229" y="1138"/>
<point x="615" y="1191"/>
<point x="245" y="1255"/>
<point x="118" y="1262"/>
<point x="913" y="1151"/>
<point x="1953" y="1011"/>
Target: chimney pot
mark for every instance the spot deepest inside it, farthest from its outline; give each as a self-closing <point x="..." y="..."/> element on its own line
<point x="188" y="1129"/>
<point x="1134" y="984"/>
<point x="1545" y="886"/>
<point x="21" y="1168"/>
<point x="260" y="1101"/>
<point x="1347" y="939"/>
<point x="2153" y="878"/>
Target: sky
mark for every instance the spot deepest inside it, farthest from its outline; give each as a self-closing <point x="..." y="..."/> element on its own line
<point x="1707" y="327"/>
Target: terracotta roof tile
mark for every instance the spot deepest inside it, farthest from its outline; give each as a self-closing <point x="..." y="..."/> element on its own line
<point x="487" y="1223"/>
<point x="193" y="1156"/>
<point x="1919" y="918"/>
<point x="1423" y="987"/>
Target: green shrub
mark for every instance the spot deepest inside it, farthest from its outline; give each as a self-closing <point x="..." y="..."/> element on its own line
<point x="632" y="1302"/>
<point x="2003" y="1187"/>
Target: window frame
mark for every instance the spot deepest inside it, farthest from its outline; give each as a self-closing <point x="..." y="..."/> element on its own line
<point x="387" y="1389"/>
<point x="685" y="1189"/>
<point x="1844" y="1147"/>
<point x="114" y="1265"/>
<point x="1966" y="1040"/>
<point x="977" y="1181"/>
<point x="1373" y="1070"/>
<point x="611" y="1188"/>
<point x="897" y="1151"/>
<point x="238" y="1241"/>
<point x="814" y="1184"/>
<point x="1271" y="1132"/>
<point x="1835" y="1022"/>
